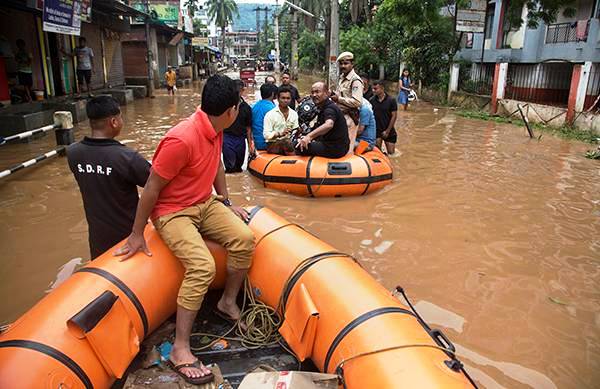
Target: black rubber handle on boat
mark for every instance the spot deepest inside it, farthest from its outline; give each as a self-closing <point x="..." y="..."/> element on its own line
<point x="442" y="340"/>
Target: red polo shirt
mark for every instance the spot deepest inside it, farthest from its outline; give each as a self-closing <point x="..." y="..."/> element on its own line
<point x="189" y="156"/>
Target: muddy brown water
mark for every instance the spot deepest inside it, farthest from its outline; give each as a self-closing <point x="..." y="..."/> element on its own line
<point x="494" y="236"/>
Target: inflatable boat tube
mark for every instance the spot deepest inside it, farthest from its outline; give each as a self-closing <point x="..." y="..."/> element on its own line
<point x="354" y="175"/>
<point x="86" y="332"/>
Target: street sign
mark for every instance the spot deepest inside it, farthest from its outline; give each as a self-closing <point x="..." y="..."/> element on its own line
<point x="472" y="18"/>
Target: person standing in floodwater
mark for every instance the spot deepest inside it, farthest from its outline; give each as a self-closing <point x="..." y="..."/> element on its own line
<point x="171" y="80"/>
<point x="404" y="86"/>
<point x="108" y="174"/>
<point x="235" y="136"/>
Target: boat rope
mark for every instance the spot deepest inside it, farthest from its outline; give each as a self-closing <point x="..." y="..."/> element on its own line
<point x="452" y="354"/>
<point x="261" y="321"/>
<point x="340" y="367"/>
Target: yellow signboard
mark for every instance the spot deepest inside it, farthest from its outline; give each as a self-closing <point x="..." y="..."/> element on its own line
<point x="199" y="41"/>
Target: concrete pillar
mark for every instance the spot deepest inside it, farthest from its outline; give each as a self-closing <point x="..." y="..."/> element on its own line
<point x="453" y="84"/>
<point x="582" y="87"/>
<point x="497" y="24"/>
<point x="578" y="89"/>
<point x="64" y="135"/>
<point x="499" y="85"/>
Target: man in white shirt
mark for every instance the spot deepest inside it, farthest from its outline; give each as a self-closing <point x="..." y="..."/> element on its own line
<point x="279" y="124"/>
<point x="85" y="64"/>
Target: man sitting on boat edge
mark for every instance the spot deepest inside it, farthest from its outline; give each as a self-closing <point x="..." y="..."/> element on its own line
<point x="178" y="198"/>
<point x="330" y="137"/>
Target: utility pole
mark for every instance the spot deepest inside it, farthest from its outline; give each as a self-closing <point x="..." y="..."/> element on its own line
<point x="294" y="59"/>
<point x="277" y="58"/>
<point x="150" y="84"/>
<point x="334" y="44"/>
<point x="266" y="9"/>
<point x="294" y="31"/>
<point x="257" y="10"/>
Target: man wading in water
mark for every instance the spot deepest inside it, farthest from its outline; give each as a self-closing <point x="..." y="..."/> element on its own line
<point x="178" y="198"/>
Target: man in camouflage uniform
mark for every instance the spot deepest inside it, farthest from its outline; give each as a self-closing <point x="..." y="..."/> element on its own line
<point x="349" y="95"/>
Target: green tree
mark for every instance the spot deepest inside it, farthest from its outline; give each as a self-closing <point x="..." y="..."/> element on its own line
<point x="311" y="50"/>
<point x="222" y="12"/>
<point x="539" y="10"/>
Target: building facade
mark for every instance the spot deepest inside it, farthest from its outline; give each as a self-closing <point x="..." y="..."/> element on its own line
<point x="53" y="73"/>
<point x="241" y="44"/>
<point x="546" y="65"/>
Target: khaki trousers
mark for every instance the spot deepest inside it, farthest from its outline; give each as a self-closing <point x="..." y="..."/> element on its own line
<point x="184" y="232"/>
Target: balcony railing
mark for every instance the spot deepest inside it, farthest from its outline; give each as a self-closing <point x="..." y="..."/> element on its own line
<point x="565" y="33"/>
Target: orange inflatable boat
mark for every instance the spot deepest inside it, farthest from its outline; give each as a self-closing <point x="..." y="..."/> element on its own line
<point x="86" y="332"/>
<point x="354" y="175"/>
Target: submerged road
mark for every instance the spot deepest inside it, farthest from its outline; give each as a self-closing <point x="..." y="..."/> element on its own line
<point x="495" y="236"/>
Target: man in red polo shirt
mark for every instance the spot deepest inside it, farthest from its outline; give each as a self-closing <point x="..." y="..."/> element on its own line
<point x="178" y="198"/>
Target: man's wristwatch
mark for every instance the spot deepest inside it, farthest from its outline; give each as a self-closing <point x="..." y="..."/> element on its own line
<point x="227" y="202"/>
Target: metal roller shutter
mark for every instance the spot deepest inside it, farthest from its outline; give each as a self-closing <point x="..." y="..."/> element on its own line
<point x="114" y="58"/>
<point x="134" y="54"/>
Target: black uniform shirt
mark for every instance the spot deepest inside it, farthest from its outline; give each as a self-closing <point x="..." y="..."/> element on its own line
<point x="108" y="174"/>
<point x="368" y="93"/>
<point x="243" y="120"/>
<point x="337" y="137"/>
<point x="295" y="96"/>
<point x="383" y="111"/>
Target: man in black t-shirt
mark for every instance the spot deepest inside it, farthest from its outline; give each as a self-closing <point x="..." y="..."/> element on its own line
<point x="368" y="90"/>
<point x="108" y="174"/>
<point x="385" y="110"/>
<point x="330" y="136"/>
<point x="285" y="81"/>
<point x="234" y="137"/>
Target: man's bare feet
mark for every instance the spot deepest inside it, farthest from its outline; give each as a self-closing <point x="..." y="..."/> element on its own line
<point x="184" y="356"/>
<point x="231" y="310"/>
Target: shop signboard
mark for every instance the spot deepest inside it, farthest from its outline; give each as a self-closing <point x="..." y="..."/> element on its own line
<point x="471" y="18"/>
<point x="62" y="16"/>
<point x="167" y="13"/>
<point x="199" y="41"/>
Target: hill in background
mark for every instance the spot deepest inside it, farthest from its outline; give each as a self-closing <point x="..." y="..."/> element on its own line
<point x="247" y="18"/>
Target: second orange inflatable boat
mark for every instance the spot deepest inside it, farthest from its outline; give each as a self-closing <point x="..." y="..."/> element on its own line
<point x="86" y="332"/>
<point x="354" y="175"/>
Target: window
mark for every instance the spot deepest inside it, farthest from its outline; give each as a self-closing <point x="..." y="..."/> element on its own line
<point x="489" y="21"/>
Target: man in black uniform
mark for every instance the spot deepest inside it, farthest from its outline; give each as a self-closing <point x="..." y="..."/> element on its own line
<point x="234" y="137"/>
<point x="330" y="137"/>
<point x="386" y="111"/>
<point x="285" y="81"/>
<point x="368" y="93"/>
<point x="108" y="174"/>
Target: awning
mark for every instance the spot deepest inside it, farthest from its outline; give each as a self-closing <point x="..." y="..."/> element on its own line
<point x="176" y="39"/>
<point x="213" y="49"/>
<point x="115" y="7"/>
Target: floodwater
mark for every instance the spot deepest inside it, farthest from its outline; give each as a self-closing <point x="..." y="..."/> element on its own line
<point x="494" y="236"/>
